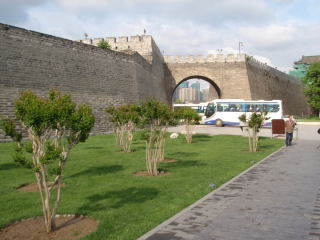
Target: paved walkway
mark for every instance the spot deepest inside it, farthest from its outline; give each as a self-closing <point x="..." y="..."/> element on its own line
<point x="277" y="199"/>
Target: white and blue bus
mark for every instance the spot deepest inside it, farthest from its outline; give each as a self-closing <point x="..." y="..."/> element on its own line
<point x="199" y="107"/>
<point x="222" y="112"/>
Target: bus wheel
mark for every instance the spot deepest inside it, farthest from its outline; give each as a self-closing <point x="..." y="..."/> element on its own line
<point x="219" y="123"/>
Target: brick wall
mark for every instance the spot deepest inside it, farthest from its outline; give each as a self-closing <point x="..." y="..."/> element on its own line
<point x="269" y="83"/>
<point x="98" y="77"/>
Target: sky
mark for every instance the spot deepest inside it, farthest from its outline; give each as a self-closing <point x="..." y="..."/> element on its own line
<point x="276" y="32"/>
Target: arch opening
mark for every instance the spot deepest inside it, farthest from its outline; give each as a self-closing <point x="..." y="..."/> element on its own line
<point x="195" y="89"/>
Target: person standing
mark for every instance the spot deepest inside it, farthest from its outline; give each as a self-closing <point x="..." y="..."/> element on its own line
<point x="289" y="127"/>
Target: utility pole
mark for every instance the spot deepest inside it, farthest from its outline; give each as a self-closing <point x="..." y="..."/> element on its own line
<point x="240" y="45"/>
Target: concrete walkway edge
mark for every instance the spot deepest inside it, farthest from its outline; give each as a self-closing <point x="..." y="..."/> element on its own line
<point x="166" y="222"/>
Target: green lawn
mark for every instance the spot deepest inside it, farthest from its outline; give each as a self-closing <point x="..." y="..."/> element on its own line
<point x="308" y="119"/>
<point x="100" y="182"/>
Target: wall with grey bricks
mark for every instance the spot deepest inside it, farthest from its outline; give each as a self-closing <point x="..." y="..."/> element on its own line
<point x="94" y="76"/>
<point x="135" y="71"/>
<point x="269" y="83"/>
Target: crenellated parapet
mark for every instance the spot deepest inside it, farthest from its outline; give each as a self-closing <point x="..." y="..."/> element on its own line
<point x="212" y="58"/>
<point x="140" y="43"/>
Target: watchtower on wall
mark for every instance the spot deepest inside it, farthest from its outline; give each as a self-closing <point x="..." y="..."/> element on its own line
<point x="143" y="44"/>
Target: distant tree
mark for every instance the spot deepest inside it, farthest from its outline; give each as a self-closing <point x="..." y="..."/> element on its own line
<point x="156" y="117"/>
<point x="54" y="125"/>
<point x="253" y="125"/>
<point x="9" y="127"/>
<point x="125" y="119"/>
<point x="190" y="118"/>
<point x="104" y="44"/>
<point x="178" y="100"/>
<point x="312" y="86"/>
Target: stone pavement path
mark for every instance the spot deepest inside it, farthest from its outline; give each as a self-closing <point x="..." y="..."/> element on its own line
<point x="277" y="199"/>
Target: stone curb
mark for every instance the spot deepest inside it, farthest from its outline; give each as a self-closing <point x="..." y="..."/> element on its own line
<point x="308" y="123"/>
<point x="166" y="222"/>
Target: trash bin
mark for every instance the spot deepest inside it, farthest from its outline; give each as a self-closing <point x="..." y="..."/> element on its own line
<point x="278" y="126"/>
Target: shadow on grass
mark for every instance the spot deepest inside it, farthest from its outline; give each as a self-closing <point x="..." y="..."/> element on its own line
<point x="265" y="146"/>
<point x="200" y="138"/>
<point x="183" y="155"/>
<point x="184" y="163"/>
<point x="116" y="199"/>
<point x="94" y="147"/>
<point x="8" y="166"/>
<point x="98" y="170"/>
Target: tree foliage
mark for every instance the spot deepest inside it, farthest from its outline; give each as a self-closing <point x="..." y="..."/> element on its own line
<point x="312" y="86"/>
<point x="54" y="125"/>
<point x="104" y="44"/>
<point x="125" y="118"/>
<point x="253" y="124"/>
<point x="190" y="118"/>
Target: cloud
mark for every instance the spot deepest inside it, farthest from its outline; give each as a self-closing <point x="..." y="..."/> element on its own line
<point x="211" y="12"/>
<point x="15" y="11"/>
<point x="279" y="30"/>
<point x="272" y="37"/>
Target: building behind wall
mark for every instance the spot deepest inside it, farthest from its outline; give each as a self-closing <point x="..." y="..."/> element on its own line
<point x="301" y="66"/>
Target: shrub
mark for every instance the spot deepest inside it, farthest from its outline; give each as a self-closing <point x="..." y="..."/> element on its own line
<point x="156" y="117"/>
<point x="125" y="119"/>
<point x="190" y="117"/>
<point x="253" y="124"/>
<point x="104" y="44"/>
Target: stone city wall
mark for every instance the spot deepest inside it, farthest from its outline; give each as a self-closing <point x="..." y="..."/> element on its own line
<point x="98" y="77"/>
<point x="269" y="83"/>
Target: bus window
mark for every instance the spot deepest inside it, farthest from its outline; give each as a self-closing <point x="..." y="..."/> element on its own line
<point x="224" y="107"/>
<point x="265" y="108"/>
<point x="259" y="108"/>
<point x="274" y="108"/>
<point x="250" y="107"/>
<point x="210" y="110"/>
<point x="234" y="107"/>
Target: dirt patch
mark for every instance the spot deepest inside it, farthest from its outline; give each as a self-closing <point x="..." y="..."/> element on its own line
<point x="69" y="227"/>
<point x="32" y="187"/>
<point x="146" y="174"/>
<point x="168" y="160"/>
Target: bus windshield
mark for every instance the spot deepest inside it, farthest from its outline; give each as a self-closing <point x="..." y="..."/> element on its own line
<point x="210" y="110"/>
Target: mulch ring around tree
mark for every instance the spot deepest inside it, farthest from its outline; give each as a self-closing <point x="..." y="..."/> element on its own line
<point x="68" y="227"/>
<point x="146" y="174"/>
<point x="32" y="187"/>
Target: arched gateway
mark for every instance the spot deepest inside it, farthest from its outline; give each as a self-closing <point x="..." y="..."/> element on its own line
<point x="210" y="81"/>
<point x="238" y="76"/>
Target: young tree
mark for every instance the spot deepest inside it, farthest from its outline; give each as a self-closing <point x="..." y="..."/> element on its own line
<point x="54" y="126"/>
<point x="104" y="44"/>
<point x="157" y="116"/>
<point x="253" y="125"/>
<point x="190" y="118"/>
<point x="125" y="119"/>
<point x="312" y="86"/>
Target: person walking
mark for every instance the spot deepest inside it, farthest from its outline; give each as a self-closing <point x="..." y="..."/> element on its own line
<point x="289" y="127"/>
